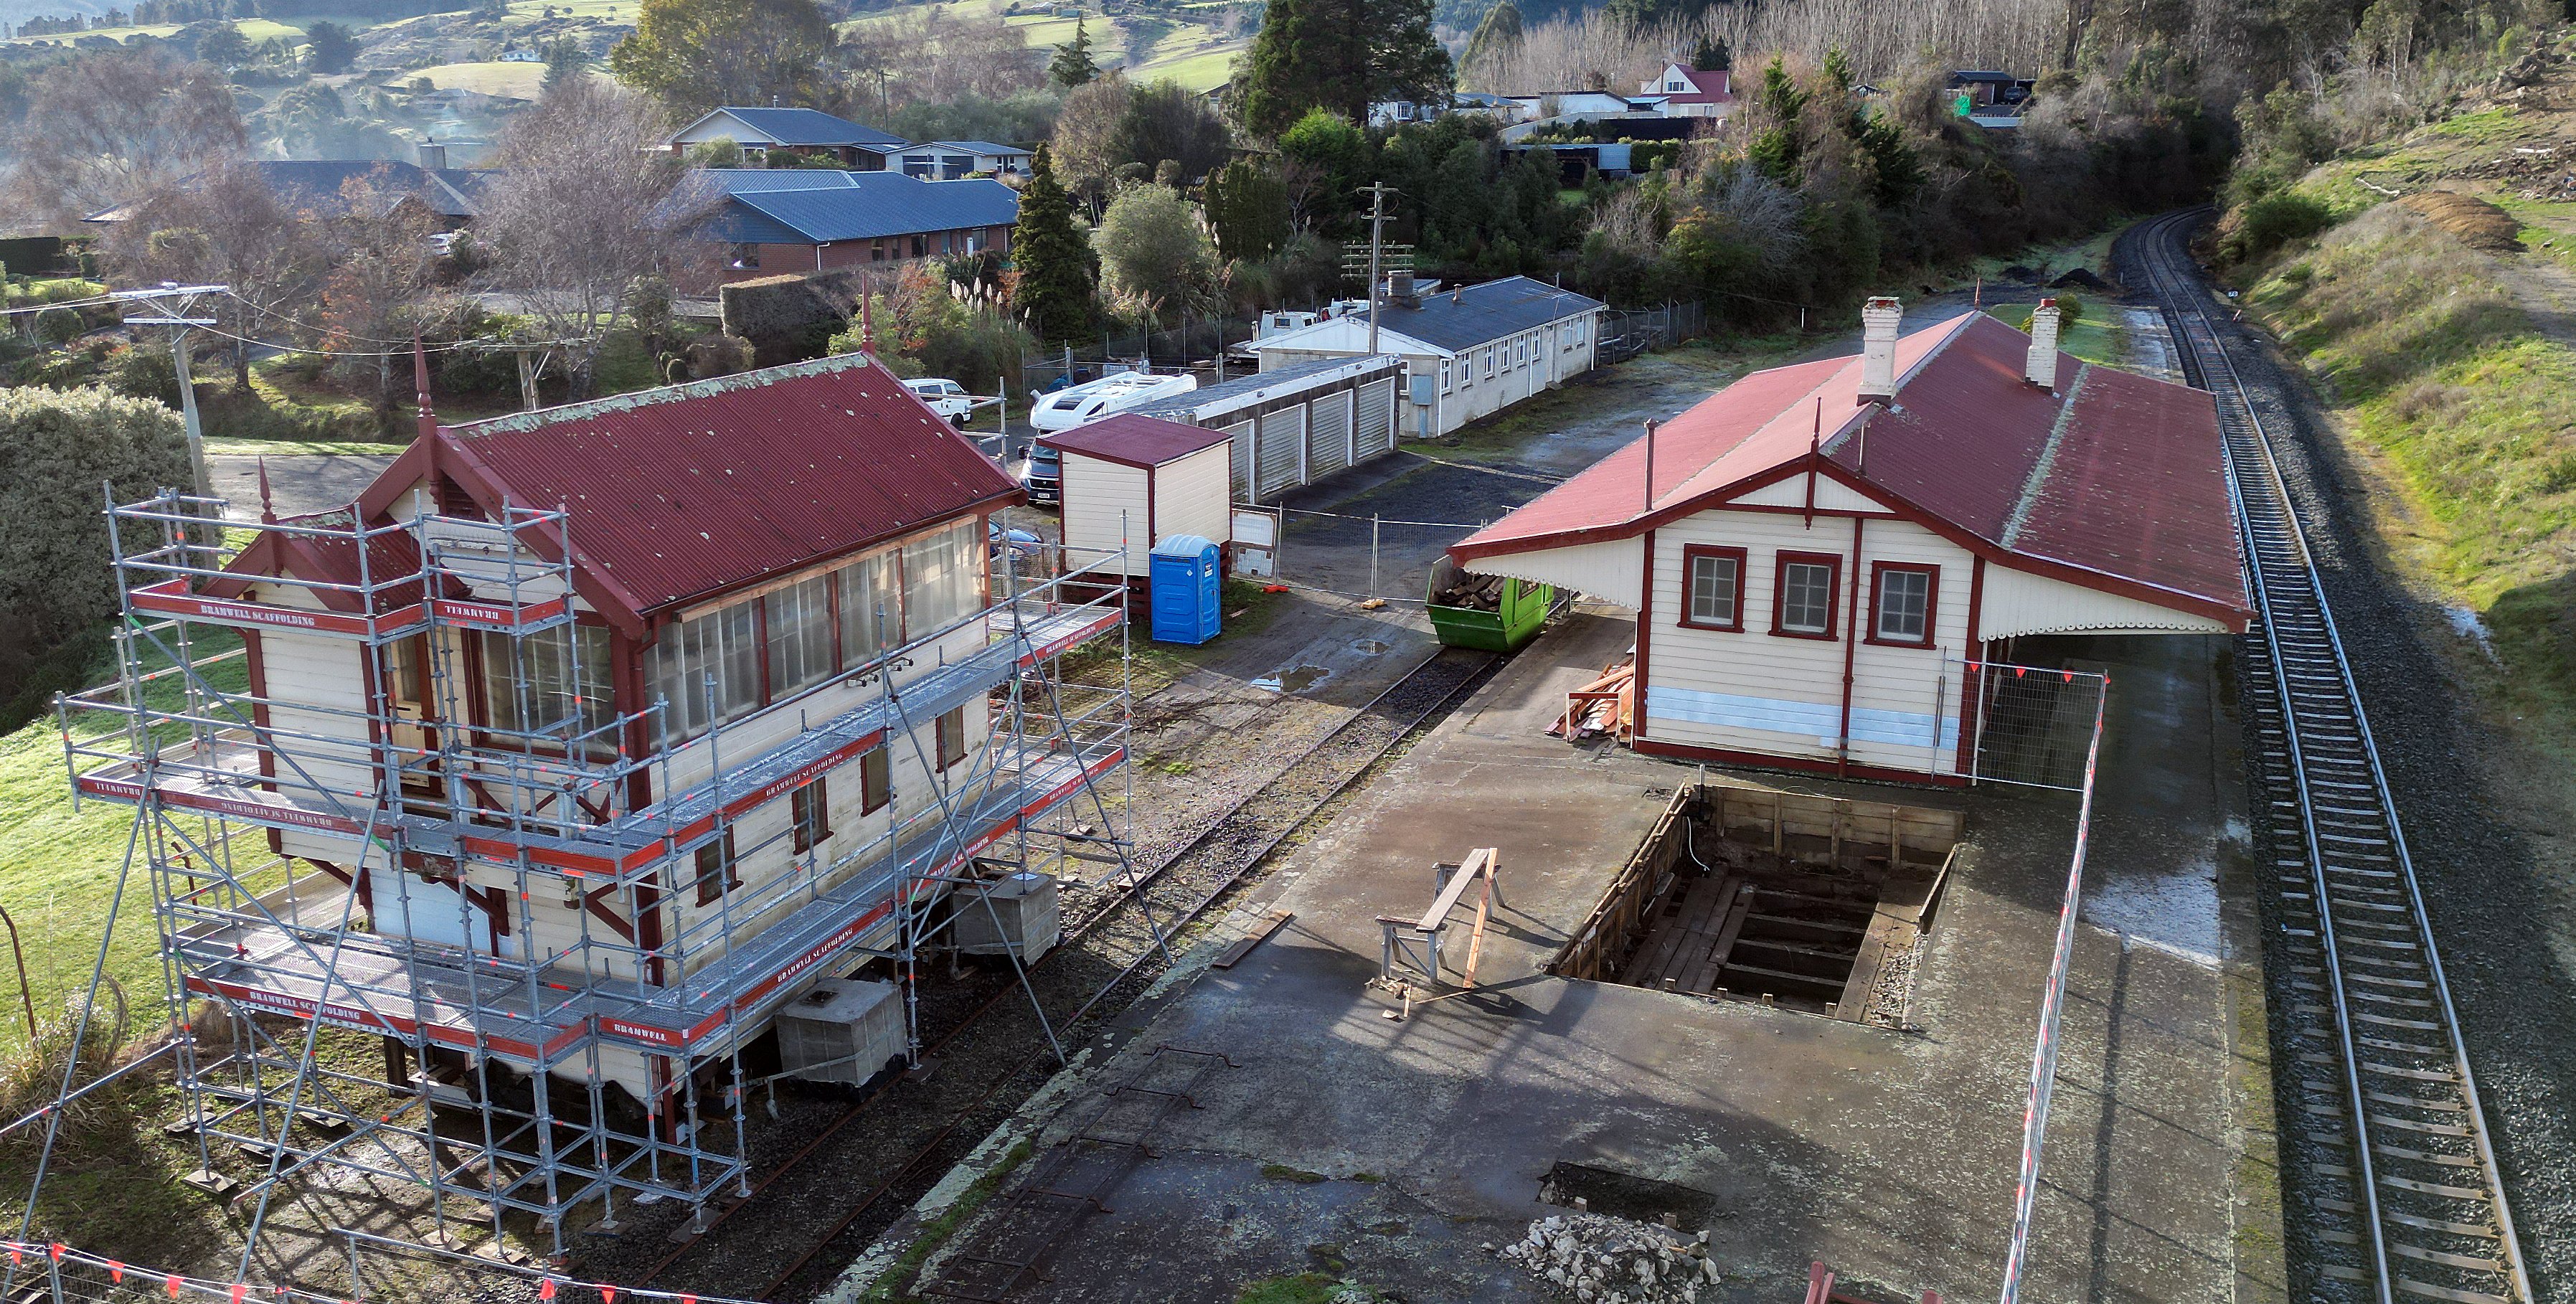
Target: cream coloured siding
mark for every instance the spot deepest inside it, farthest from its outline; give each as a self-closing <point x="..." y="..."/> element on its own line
<point x="1097" y="494"/>
<point x="1190" y="495"/>
<point x="1607" y="571"/>
<point x="317" y="701"/>
<point x="2018" y="602"/>
<point x="1753" y="691"/>
<point x="1831" y="495"/>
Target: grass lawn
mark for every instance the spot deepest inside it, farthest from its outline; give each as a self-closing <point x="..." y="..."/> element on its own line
<point x="2096" y="336"/>
<point x="517" y="80"/>
<point x="257" y="29"/>
<point x="1197" y="72"/>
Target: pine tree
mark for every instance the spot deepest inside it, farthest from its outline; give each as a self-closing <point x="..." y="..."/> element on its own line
<point x="1712" y="56"/>
<point x="1059" y="273"/>
<point x="1494" y="38"/>
<point x="1342" y="55"/>
<point x="1073" y="65"/>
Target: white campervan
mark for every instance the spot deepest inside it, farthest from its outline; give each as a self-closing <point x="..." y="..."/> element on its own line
<point x="1094" y="399"/>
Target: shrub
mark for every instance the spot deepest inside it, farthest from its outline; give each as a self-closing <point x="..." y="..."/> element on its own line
<point x="2274" y="220"/>
<point x="57" y="447"/>
<point x="719" y="355"/>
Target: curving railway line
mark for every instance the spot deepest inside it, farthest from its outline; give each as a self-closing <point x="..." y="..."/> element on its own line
<point x="2402" y="1197"/>
<point x="859" y="1168"/>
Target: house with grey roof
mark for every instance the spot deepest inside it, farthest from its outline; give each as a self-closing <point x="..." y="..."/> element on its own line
<point x="775" y="220"/>
<point x="1468" y="352"/>
<point x="450" y="196"/>
<point x="949" y="160"/>
<point x="803" y="131"/>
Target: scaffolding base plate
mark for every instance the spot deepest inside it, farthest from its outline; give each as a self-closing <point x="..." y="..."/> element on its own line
<point x="212" y="1183"/>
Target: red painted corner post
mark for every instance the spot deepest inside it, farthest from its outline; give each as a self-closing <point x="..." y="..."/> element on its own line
<point x="1820" y="1283"/>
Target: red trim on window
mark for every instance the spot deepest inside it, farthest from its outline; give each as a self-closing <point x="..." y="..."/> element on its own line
<point x="1692" y="552"/>
<point x="1833" y="592"/>
<point x="1931" y="601"/>
<point x="870" y="800"/>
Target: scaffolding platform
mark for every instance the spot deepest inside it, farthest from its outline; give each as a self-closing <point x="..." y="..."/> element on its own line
<point x="222" y="773"/>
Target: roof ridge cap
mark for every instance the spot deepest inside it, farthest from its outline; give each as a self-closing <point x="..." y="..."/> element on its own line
<point x="518" y="422"/>
<point x="2045" y="462"/>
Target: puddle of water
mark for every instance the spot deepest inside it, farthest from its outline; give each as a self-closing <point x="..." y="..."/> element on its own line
<point x="1370" y="646"/>
<point x="2465" y="623"/>
<point x="1294" y="680"/>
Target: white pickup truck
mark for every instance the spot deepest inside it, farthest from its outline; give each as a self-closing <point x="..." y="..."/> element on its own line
<point x="945" y="397"/>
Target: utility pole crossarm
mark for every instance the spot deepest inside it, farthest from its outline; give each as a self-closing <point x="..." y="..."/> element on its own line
<point x="1377" y="192"/>
<point x="175" y="300"/>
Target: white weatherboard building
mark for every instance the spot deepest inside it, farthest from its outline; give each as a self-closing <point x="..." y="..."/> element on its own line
<point x="1468" y="352"/>
<point x="1822" y="556"/>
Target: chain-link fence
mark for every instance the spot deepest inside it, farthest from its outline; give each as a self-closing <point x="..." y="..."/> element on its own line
<point x="346" y="1267"/>
<point x="2032" y="725"/>
<point x="1627" y="332"/>
<point x="1190" y="342"/>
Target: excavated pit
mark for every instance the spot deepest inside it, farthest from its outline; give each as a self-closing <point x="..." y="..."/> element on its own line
<point x="1804" y="902"/>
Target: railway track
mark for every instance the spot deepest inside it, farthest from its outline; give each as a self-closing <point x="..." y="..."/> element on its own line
<point x="861" y="1167"/>
<point x="2402" y="1197"/>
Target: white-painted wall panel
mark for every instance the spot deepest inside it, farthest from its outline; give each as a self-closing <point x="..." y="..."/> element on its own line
<point x="1751" y="690"/>
<point x="1095" y="493"/>
<point x="2017" y="602"/>
<point x="1608" y="571"/>
<point x="1831" y="495"/>
<point x="1191" y="495"/>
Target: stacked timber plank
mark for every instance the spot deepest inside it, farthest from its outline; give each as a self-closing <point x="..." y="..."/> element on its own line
<point x="1606" y="705"/>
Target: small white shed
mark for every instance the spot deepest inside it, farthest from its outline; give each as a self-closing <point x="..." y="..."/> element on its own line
<point x="1138" y="480"/>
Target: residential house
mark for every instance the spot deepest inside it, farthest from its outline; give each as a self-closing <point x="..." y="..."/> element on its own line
<point x="1468" y="352"/>
<point x="1581" y="104"/>
<point x="803" y="131"/>
<point x="449" y="196"/>
<point x="952" y="160"/>
<point x="777" y="220"/>
<point x="1686" y="92"/>
<point x="1824" y="557"/>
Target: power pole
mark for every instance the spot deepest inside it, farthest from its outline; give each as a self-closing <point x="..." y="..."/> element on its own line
<point x="1377" y="192"/>
<point x="176" y="315"/>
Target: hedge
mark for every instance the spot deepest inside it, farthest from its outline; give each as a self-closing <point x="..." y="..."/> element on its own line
<point x="789" y="318"/>
<point x="57" y="447"/>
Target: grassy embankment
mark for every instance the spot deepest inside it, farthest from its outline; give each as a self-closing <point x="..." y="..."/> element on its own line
<point x="2449" y="392"/>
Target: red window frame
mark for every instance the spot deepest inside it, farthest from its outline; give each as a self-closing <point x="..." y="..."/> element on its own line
<point x="1833" y="562"/>
<point x="728" y="870"/>
<point x="1691" y="554"/>
<point x="1931" y="600"/>
<point x="809" y="815"/>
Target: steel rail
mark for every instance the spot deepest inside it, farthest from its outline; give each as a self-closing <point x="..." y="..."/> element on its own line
<point x="2324" y="733"/>
<point x="1127" y="891"/>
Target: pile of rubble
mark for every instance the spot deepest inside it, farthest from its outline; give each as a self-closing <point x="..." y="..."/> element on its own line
<point x="1605" y="1260"/>
<point x="1472" y="592"/>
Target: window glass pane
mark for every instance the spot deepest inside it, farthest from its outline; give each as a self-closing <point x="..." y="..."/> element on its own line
<point x="678" y="664"/>
<point x="535" y="683"/>
<point x="866" y="586"/>
<point x="738" y="681"/>
<point x="1712" y="595"/>
<point x="941" y="580"/>
<point x="800" y="635"/>
<point x="875" y="780"/>
<point x="1806" y="597"/>
<point x="1903" y="599"/>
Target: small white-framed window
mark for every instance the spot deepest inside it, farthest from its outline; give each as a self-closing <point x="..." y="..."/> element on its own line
<point x="1444" y="375"/>
<point x="1489" y="364"/>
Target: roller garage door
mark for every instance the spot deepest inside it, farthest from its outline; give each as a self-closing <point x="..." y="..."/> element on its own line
<point x="1282" y="451"/>
<point x="1328" y="435"/>
<point x="1376" y="424"/>
<point x="1241" y="434"/>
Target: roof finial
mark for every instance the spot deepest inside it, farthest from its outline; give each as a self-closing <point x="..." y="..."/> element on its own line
<point x="267" y="507"/>
<point x="428" y="418"/>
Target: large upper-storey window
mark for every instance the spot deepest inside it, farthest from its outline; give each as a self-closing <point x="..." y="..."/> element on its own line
<point x="554" y="681"/>
<point x="769" y="648"/>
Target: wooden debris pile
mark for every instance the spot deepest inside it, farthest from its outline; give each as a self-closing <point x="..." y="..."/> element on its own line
<point x="1607" y="705"/>
<point x="1472" y="592"/>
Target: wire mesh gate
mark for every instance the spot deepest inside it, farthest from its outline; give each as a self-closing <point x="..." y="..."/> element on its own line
<point x="2031" y="725"/>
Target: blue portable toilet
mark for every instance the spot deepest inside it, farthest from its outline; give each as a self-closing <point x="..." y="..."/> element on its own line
<point x="1185" y="590"/>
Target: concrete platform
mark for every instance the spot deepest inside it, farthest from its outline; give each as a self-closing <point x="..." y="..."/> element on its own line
<point x="1392" y="1152"/>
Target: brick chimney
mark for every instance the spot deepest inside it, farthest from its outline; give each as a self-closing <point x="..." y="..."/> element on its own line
<point x="2043" y="345"/>
<point x="1878" y="319"/>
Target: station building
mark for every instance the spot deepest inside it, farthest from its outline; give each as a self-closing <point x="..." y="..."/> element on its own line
<point x="1820" y="556"/>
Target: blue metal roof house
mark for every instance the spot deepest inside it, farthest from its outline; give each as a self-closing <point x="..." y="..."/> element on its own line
<point x="805" y="131"/>
<point x="811" y="220"/>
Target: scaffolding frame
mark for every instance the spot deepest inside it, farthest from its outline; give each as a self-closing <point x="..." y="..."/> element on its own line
<point x="493" y="1096"/>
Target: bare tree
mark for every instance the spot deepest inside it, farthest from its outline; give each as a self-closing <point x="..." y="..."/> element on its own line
<point x="1086" y="138"/>
<point x="228" y="226"/>
<point x="934" y="58"/>
<point x="379" y="289"/>
<point x="116" y="126"/>
<point x="586" y="204"/>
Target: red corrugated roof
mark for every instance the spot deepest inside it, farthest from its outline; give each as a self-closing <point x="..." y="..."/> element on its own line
<point x="680" y="493"/>
<point x="1134" y="440"/>
<point x="2115" y="474"/>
